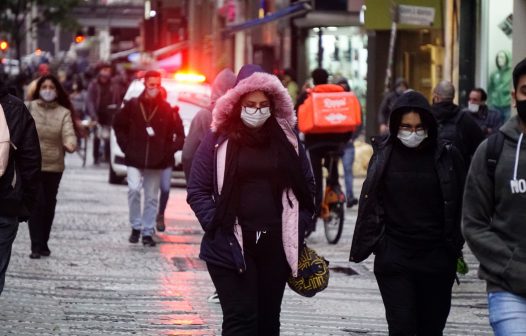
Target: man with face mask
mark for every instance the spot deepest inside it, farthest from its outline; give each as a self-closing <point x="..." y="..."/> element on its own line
<point x="494" y="217"/>
<point x="454" y="125"/>
<point x="488" y="119"/>
<point x="146" y="129"/>
<point x="102" y="100"/>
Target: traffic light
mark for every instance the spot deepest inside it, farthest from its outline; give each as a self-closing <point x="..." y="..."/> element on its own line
<point x="79" y="37"/>
<point x="4" y="45"/>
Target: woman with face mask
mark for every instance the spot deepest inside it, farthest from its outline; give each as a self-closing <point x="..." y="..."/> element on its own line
<point x="409" y="217"/>
<point x="52" y="111"/>
<point x="252" y="189"/>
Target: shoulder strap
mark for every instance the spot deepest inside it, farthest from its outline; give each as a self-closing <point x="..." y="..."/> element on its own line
<point x="493" y="150"/>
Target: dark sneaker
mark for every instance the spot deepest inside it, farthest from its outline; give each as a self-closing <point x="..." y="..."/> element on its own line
<point x="34" y="255"/>
<point x="45" y="252"/>
<point x="148" y="241"/>
<point x="351" y="202"/>
<point x="159" y="225"/>
<point x="134" y="237"/>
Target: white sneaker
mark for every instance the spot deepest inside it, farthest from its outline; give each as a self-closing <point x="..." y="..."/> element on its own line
<point x="214" y="298"/>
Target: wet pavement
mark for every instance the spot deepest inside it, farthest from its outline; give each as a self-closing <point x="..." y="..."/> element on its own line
<point x="96" y="283"/>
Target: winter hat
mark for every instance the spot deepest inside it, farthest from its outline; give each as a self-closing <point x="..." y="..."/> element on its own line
<point x="246" y="71"/>
<point x="224" y="81"/>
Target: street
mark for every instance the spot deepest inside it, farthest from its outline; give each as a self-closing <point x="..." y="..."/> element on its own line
<point x="96" y="283"/>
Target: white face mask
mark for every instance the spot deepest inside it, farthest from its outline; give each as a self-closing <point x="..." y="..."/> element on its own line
<point x="48" y="95"/>
<point x="152" y="93"/>
<point x="411" y="139"/>
<point x="254" y="117"/>
<point x="474" y="108"/>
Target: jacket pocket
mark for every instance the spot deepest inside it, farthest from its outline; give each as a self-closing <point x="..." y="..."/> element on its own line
<point x="515" y="272"/>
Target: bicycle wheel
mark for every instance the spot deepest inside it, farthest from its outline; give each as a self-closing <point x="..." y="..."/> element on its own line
<point x="333" y="223"/>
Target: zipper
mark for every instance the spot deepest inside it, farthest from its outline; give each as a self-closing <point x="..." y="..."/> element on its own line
<point x="147" y="153"/>
<point x="216" y="187"/>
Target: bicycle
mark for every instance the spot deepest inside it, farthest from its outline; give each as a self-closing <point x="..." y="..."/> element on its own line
<point x="333" y="204"/>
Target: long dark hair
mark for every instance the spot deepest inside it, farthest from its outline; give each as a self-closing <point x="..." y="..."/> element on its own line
<point x="62" y="99"/>
<point x="62" y="96"/>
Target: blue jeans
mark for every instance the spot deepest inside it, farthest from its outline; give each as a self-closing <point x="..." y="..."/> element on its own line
<point x="507" y="314"/>
<point x="149" y="180"/>
<point x="348" y="161"/>
<point x="8" y="230"/>
<point x="166" y="184"/>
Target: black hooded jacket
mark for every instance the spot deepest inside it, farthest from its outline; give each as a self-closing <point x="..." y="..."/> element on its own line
<point x="19" y="183"/>
<point x="449" y="165"/>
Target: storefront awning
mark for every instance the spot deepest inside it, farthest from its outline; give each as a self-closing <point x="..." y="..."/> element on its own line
<point x="295" y="9"/>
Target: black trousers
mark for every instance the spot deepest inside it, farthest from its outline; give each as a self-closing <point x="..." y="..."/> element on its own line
<point x="96" y="150"/>
<point x="43" y="212"/>
<point x="8" y="230"/>
<point x="318" y="155"/>
<point x="251" y="302"/>
<point x="417" y="301"/>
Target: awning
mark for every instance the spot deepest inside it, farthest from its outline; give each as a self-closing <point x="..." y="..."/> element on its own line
<point x="295" y="9"/>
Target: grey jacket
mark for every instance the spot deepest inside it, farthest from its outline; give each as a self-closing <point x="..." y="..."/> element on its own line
<point x="494" y="213"/>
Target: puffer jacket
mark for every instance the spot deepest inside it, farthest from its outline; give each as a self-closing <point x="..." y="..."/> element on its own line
<point x="223" y="245"/>
<point x="19" y="184"/>
<point x="55" y="130"/>
<point x="370" y="225"/>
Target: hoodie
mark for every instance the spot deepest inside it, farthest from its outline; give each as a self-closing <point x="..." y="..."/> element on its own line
<point x="371" y="221"/>
<point x="200" y="125"/>
<point x="494" y="214"/>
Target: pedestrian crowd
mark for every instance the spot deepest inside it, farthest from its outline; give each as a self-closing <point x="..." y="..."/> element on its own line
<point x="440" y="175"/>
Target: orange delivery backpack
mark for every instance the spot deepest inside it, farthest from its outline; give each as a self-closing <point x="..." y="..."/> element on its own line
<point x="329" y="109"/>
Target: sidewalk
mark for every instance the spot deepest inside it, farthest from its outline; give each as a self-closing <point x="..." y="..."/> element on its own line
<point x="96" y="283"/>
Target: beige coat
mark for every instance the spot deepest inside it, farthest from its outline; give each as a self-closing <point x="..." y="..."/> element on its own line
<point x="55" y="130"/>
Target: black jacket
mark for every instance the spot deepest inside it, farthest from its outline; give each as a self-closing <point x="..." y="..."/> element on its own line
<point x="459" y="128"/>
<point x="19" y="184"/>
<point x="449" y="164"/>
<point x="141" y="150"/>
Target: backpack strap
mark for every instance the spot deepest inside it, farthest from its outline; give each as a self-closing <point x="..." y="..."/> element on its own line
<point x="493" y="150"/>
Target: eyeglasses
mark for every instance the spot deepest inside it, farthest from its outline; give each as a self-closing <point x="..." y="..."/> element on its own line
<point x="254" y="110"/>
<point x="417" y="130"/>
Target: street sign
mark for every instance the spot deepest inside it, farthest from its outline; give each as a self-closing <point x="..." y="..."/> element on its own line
<point x="416" y="15"/>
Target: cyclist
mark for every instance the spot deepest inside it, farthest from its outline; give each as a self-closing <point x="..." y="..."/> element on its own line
<point x="320" y="145"/>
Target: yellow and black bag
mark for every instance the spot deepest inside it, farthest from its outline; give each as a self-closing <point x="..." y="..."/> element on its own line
<point x="313" y="273"/>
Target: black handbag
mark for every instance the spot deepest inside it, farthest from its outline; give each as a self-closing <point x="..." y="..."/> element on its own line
<point x="313" y="273"/>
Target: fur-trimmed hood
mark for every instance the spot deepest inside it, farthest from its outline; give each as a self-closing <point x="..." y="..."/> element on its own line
<point x="283" y="107"/>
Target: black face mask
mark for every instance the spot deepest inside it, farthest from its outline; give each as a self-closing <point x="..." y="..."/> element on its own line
<point x="521" y="110"/>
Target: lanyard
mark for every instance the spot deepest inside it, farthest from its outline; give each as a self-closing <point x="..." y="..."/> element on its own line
<point x="150" y="117"/>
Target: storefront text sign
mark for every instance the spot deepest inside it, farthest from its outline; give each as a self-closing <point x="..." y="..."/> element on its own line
<point x="416" y="15"/>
